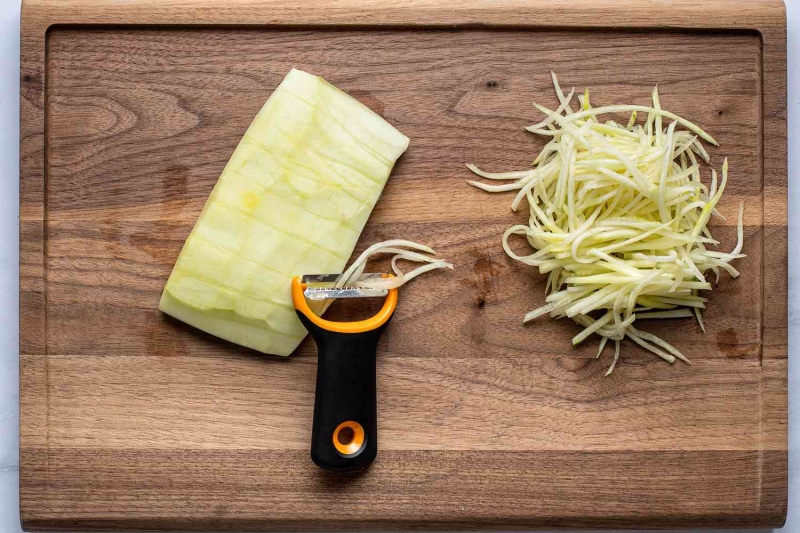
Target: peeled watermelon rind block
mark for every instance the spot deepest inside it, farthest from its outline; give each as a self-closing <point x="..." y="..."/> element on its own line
<point x="292" y="200"/>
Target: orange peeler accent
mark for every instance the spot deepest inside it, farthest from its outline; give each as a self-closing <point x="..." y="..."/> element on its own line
<point x="359" y="326"/>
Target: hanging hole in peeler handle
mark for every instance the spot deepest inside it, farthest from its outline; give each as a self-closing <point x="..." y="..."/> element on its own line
<point x="349" y="438"/>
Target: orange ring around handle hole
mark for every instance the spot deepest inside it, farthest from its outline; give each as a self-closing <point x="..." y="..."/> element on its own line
<point x="360" y="326"/>
<point x="349" y="437"/>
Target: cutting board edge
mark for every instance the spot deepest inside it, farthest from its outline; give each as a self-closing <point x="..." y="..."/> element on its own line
<point x="39" y="516"/>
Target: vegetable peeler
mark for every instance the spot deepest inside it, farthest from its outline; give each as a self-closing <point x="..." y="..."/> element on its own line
<point x="344" y="434"/>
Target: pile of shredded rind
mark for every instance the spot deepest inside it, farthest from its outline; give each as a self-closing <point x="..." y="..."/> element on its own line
<point x="618" y="219"/>
<point x="403" y="251"/>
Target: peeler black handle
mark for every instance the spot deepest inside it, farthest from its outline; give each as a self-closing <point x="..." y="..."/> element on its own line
<point x="344" y="435"/>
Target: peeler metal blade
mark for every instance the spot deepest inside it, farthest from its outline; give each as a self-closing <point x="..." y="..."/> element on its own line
<point x="324" y="286"/>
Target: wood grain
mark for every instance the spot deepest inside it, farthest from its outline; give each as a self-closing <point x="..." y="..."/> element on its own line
<point x="133" y="420"/>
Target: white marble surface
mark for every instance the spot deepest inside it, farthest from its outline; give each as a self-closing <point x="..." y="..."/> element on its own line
<point x="9" y="259"/>
<point x="9" y="266"/>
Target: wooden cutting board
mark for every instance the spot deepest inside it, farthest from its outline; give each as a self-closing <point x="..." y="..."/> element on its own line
<point x="131" y="419"/>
